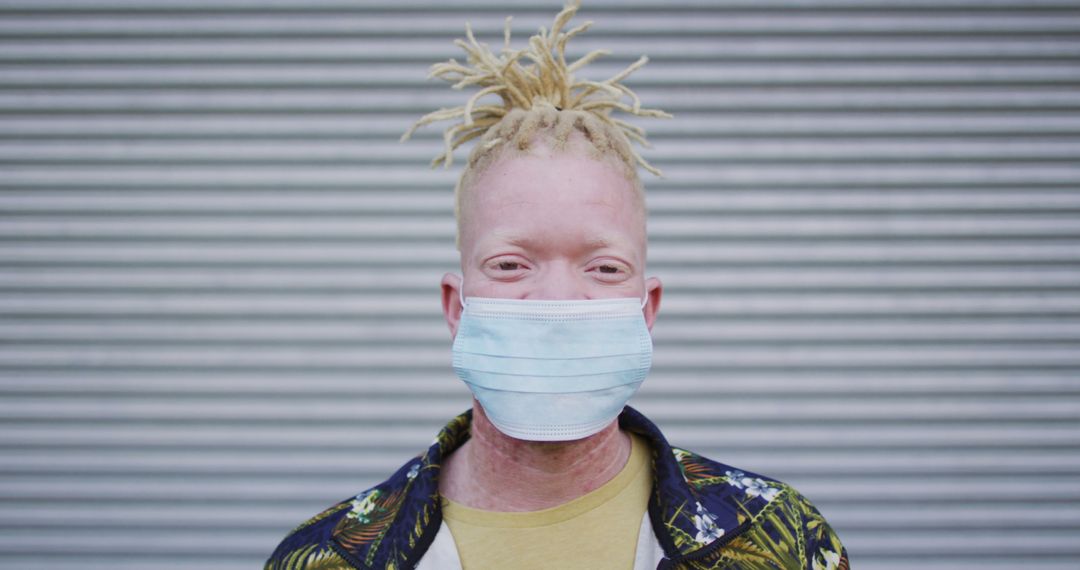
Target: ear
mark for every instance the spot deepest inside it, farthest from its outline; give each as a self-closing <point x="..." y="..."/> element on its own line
<point x="653" y="291"/>
<point x="451" y="301"/>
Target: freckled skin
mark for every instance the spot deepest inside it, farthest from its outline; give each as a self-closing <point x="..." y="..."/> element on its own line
<point x="546" y="225"/>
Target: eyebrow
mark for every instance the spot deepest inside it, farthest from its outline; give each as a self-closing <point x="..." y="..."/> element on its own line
<point x="593" y="242"/>
<point x="599" y="242"/>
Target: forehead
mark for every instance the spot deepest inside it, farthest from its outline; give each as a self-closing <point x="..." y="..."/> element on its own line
<point x="545" y="194"/>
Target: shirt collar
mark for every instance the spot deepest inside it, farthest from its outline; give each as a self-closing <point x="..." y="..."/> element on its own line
<point x="693" y="504"/>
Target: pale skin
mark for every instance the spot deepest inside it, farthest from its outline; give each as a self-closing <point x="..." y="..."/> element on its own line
<point x="547" y="225"/>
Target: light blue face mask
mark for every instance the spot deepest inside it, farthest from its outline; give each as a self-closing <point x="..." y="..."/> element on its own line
<point x="552" y="370"/>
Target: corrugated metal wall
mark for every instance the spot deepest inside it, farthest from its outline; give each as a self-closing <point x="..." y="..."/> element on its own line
<point x="218" y="269"/>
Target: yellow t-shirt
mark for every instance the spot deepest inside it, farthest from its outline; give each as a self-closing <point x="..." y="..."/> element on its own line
<point x="598" y="531"/>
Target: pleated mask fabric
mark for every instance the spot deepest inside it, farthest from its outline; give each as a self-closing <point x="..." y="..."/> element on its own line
<point x="552" y="370"/>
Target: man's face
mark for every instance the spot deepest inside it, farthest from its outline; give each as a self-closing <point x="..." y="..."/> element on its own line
<point x="552" y="225"/>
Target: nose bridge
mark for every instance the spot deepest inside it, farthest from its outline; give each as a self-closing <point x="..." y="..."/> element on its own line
<point x="558" y="281"/>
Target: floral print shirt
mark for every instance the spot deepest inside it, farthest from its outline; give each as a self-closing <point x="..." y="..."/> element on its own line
<point x="705" y="515"/>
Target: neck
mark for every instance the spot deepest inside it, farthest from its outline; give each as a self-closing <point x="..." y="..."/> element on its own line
<point x="495" y="472"/>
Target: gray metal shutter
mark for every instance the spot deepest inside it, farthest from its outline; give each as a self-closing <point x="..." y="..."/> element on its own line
<point x="219" y="308"/>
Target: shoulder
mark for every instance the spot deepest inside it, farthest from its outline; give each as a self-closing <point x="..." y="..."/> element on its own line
<point x="775" y="526"/>
<point x="389" y="525"/>
<point x="345" y="534"/>
<point x="309" y="545"/>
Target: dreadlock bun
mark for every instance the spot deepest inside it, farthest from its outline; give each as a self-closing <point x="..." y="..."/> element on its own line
<point x="540" y="94"/>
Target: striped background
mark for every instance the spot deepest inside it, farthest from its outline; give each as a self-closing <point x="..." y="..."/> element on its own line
<point x="218" y="269"/>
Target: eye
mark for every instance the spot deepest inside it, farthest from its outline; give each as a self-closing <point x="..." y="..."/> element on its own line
<point x="610" y="272"/>
<point x="506" y="268"/>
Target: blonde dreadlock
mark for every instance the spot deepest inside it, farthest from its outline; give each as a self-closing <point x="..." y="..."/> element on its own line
<point x="541" y="97"/>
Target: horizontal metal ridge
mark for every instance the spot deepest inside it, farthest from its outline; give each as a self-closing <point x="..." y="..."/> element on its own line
<point x="489" y="24"/>
<point x="601" y="6"/>
<point x="370" y="75"/>
<point x="309" y="151"/>
<point x="768" y="49"/>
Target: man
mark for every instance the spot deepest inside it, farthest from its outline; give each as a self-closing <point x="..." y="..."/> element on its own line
<point x="550" y="319"/>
